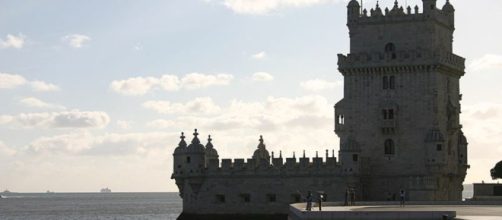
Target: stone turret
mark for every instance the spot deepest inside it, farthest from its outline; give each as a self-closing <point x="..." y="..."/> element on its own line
<point x="429" y="6"/>
<point x="211" y="153"/>
<point x="195" y="156"/>
<point x="353" y="10"/>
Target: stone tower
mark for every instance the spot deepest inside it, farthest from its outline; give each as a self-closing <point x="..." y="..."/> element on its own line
<point x="401" y="106"/>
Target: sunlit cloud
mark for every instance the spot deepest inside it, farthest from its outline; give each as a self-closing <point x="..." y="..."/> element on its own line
<point x="262" y="77"/>
<point x="76" y="40"/>
<point x="259" y="56"/>
<point x="204" y="105"/>
<point x="12" y="41"/>
<point x="63" y="119"/>
<point x="261" y="7"/>
<point x="136" y="86"/>
<point x="10" y="81"/>
<point x="37" y="103"/>
<point x="488" y="61"/>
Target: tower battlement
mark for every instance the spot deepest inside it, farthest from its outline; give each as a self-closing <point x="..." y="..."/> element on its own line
<point x="377" y="15"/>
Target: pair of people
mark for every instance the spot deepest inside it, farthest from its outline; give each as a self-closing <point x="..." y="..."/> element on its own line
<point x="350" y="197"/>
<point x="310" y="200"/>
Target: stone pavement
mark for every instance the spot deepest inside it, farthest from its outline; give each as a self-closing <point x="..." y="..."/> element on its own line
<point x="464" y="212"/>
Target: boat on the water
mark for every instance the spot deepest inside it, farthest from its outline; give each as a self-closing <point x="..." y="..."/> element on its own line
<point x="106" y="190"/>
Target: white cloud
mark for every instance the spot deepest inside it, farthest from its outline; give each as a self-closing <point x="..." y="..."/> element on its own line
<point x="199" y="80"/>
<point x="134" y="86"/>
<point x="488" y="61"/>
<point x="260" y="56"/>
<point x="37" y="103"/>
<point x="204" y="105"/>
<point x="141" y="85"/>
<point x="262" y="77"/>
<point x="160" y="124"/>
<point x="41" y="86"/>
<point x="5" y="150"/>
<point x="124" y="124"/>
<point x="12" y="41"/>
<point x="317" y="85"/>
<point x="112" y="144"/>
<point x="76" y="40"/>
<point x="5" y="119"/>
<point x="260" y="7"/>
<point x="63" y="119"/>
<point x="9" y="81"/>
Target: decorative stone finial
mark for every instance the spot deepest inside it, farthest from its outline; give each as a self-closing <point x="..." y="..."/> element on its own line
<point x="209" y="139"/>
<point x="303" y="153"/>
<point x="182" y="137"/>
<point x="195" y="139"/>
<point x="280" y="154"/>
<point x="294" y="155"/>
<point x="261" y="139"/>
<point x="317" y="154"/>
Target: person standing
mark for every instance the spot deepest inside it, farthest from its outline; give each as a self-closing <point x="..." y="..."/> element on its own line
<point x="402" y="195"/>
<point x="346" y="197"/>
<point x="352" y="197"/>
<point x="319" y="200"/>
<point x="309" y="201"/>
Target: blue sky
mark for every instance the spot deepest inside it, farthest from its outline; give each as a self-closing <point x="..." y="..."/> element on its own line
<point x="95" y="93"/>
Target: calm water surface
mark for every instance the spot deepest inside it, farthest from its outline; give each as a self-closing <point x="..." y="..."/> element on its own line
<point x="98" y="206"/>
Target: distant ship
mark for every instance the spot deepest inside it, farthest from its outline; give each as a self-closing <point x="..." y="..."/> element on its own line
<point x="49" y="192"/>
<point x="106" y="190"/>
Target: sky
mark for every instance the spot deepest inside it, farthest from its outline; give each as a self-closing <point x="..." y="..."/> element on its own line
<point x="95" y="93"/>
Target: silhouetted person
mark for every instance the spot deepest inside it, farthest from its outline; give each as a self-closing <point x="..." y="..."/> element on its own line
<point x="402" y="195"/>
<point x="346" y="197"/>
<point x="309" y="201"/>
<point x="319" y="200"/>
<point x="352" y="197"/>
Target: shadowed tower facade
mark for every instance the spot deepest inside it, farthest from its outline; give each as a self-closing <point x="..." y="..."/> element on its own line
<point x="401" y="106"/>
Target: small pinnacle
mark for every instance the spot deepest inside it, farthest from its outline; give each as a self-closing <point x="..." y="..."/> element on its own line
<point x="196" y="133"/>
<point x="261" y="138"/>
<point x="209" y="139"/>
<point x="182" y="137"/>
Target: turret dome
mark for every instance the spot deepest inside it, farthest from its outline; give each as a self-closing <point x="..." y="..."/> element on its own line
<point x="354" y="4"/>
<point x="182" y="146"/>
<point x="448" y="7"/>
<point x="210" y="151"/>
<point x="195" y="146"/>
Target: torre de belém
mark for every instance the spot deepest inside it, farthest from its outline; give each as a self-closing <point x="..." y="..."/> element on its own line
<point x="398" y="125"/>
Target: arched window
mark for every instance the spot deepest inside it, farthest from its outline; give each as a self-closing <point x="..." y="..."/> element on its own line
<point x="391" y="49"/>
<point x="385" y="82"/>
<point x="392" y="82"/>
<point x="389" y="147"/>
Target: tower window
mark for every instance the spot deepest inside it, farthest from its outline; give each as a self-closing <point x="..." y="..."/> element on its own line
<point x="391" y="114"/>
<point x="220" y="198"/>
<point x="392" y="82"/>
<point x="355" y="157"/>
<point x="340" y="120"/>
<point x="439" y="147"/>
<point x="389" y="147"/>
<point x="385" y="82"/>
<point x="271" y="198"/>
<point x="389" y="82"/>
<point x="246" y="198"/>
<point x="388" y="114"/>
<point x="188" y="159"/>
<point x="390" y="49"/>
